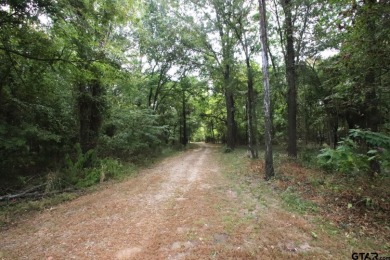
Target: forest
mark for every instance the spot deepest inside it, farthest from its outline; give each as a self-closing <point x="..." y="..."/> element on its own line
<point x="90" y="86"/>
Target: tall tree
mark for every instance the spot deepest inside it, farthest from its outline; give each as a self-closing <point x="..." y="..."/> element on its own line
<point x="89" y="32"/>
<point x="213" y="39"/>
<point x="291" y="81"/>
<point x="164" y="57"/>
<point x="246" y="38"/>
<point x="269" y="168"/>
<point x="298" y="27"/>
<point x="224" y="14"/>
<point x="366" y="60"/>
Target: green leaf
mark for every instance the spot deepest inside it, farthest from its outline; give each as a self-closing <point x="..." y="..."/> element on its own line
<point x="372" y="158"/>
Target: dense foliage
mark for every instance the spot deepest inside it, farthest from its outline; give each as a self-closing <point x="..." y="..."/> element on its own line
<point x="88" y="85"/>
<point x="352" y="156"/>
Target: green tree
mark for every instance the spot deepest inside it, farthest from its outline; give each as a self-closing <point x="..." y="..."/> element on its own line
<point x="247" y="39"/>
<point x="269" y="169"/>
<point x="213" y="40"/>
<point x="35" y="122"/>
<point x="291" y="81"/>
<point x="88" y="32"/>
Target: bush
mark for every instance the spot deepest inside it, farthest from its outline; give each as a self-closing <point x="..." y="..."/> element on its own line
<point x="344" y="158"/>
<point x="78" y="165"/>
<point x="357" y="152"/>
<point x="110" y="169"/>
<point x="307" y="157"/>
<point x="90" y="176"/>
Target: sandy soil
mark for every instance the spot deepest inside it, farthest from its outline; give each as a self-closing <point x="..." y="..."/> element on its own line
<point x="181" y="208"/>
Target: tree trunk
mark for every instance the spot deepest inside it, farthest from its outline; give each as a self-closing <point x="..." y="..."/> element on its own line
<point x="250" y="106"/>
<point x="231" y="125"/>
<point x="90" y="108"/>
<point x="373" y="113"/>
<point x="184" y="139"/>
<point x="290" y="77"/>
<point x="252" y="140"/>
<point x="269" y="168"/>
<point x="150" y="97"/>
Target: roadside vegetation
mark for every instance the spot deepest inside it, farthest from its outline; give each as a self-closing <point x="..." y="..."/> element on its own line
<point x="342" y="213"/>
<point x="45" y="192"/>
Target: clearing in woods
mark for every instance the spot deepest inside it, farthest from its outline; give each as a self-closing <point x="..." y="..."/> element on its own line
<point x="182" y="208"/>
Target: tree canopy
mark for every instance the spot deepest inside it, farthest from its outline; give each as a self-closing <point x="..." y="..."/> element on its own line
<point x="92" y="80"/>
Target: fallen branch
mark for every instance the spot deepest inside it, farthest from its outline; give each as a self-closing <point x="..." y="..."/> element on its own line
<point x="19" y="195"/>
<point x="35" y="194"/>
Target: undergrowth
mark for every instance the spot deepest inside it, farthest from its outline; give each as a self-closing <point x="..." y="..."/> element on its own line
<point x="362" y="151"/>
<point x="355" y="207"/>
<point x="12" y="211"/>
<point x="74" y="180"/>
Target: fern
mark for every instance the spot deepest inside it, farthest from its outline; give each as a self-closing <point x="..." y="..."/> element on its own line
<point x="77" y="169"/>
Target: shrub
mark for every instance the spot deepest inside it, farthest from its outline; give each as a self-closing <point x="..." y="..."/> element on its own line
<point x="90" y="176"/>
<point x="110" y="168"/>
<point x="344" y="158"/>
<point x="357" y="152"/>
<point x="80" y="168"/>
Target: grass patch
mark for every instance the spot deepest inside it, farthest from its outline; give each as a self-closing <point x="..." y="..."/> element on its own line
<point x="295" y="203"/>
<point x="339" y="211"/>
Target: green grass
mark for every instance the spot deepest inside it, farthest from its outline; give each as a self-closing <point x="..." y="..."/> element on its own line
<point x="294" y="202"/>
<point x="241" y="183"/>
<point x="295" y="184"/>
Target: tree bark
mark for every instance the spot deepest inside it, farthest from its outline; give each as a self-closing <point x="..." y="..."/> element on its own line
<point x="231" y="125"/>
<point x="252" y="140"/>
<point x="223" y="16"/>
<point x="90" y="111"/>
<point x="251" y="129"/>
<point x="372" y="111"/>
<point x="184" y="139"/>
<point x="291" y="81"/>
<point x="269" y="168"/>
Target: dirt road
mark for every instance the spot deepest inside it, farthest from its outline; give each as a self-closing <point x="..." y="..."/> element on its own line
<point x="181" y="208"/>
